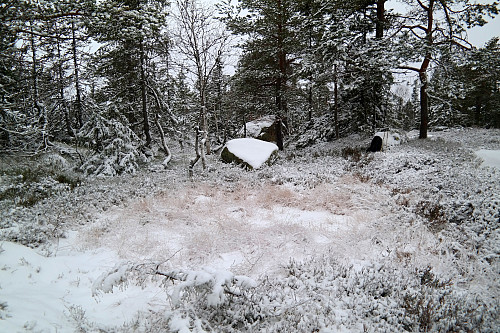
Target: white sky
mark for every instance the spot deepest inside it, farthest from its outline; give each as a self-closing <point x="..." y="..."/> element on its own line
<point x="480" y="35"/>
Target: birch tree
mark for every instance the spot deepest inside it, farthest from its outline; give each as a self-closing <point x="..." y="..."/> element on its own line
<point x="203" y="42"/>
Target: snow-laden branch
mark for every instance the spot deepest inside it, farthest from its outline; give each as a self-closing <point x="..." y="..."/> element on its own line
<point x="211" y="284"/>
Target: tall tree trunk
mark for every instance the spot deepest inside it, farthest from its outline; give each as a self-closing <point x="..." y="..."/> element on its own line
<point x="281" y="82"/>
<point x="279" y="132"/>
<point x="379" y="28"/>
<point x="168" y="154"/>
<point x="193" y="162"/>
<point x="34" y="75"/>
<point x="67" y="120"/>
<point x="310" y="78"/>
<point x="310" y="99"/>
<point x="204" y="120"/>
<point x="39" y="107"/>
<point x="145" y="116"/>
<point x="478" y="111"/>
<point x="424" y="107"/>
<point x="78" y="103"/>
<point x="336" y="101"/>
<point x="424" y="98"/>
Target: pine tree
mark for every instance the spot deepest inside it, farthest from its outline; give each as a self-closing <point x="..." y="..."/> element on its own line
<point x="481" y="75"/>
<point x="269" y="53"/>
<point x="126" y="30"/>
<point x="431" y="24"/>
<point x="34" y="37"/>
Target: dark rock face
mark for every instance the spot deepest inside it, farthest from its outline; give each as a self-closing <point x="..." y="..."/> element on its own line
<point x="376" y="144"/>
<point x="269" y="128"/>
<point x="229" y="157"/>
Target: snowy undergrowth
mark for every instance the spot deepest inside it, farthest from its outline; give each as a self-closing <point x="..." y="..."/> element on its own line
<point x="335" y="240"/>
<point x="442" y="181"/>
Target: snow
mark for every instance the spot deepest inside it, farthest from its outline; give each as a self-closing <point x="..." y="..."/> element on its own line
<point x="490" y="158"/>
<point x="318" y="244"/>
<point x="252" y="151"/>
<point x="44" y="293"/>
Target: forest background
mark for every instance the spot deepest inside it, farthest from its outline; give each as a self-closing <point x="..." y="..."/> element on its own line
<point x="327" y="239"/>
<point x="121" y="80"/>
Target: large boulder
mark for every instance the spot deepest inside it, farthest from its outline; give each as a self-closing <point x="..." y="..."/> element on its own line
<point x="389" y="138"/>
<point x="263" y="128"/>
<point x="384" y="140"/>
<point x="250" y="153"/>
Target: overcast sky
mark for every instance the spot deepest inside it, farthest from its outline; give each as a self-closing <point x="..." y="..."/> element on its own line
<point x="480" y="35"/>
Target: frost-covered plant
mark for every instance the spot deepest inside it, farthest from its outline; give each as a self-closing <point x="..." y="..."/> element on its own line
<point x="30" y="234"/>
<point x="325" y="295"/>
<point x="3" y="310"/>
<point x="116" y="147"/>
<point x="202" y="299"/>
<point x="317" y="130"/>
<point x="435" y="306"/>
<point x="45" y="175"/>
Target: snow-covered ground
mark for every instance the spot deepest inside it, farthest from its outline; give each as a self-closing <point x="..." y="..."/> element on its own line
<point x="490" y="157"/>
<point x="328" y="239"/>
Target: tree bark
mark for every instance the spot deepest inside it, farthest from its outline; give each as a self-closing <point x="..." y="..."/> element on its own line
<point x="424" y="98"/>
<point x="67" y="120"/>
<point x="424" y="106"/>
<point x="164" y="145"/>
<point x="282" y="65"/>
<point x="147" y="131"/>
<point x="78" y="103"/>
<point x="336" y="101"/>
<point x="279" y="133"/>
<point x="34" y="71"/>
<point x="379" y="27"/>
<point x="197" y="151"/>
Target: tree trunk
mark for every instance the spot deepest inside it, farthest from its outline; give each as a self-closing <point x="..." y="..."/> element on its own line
<point x="164" y="145"/>
<point x="69" y="129"/>
<point x="78" y="103"/>
<point x="424" y="106"/>
<point x="478" y="111"/>
<point x="33" y="70"/>
<point x="379" y="28"/>
<point x="310" y="99"/>
<point x="204" y="121"/>
<point x="147" y="131"/>
<point x="193" y="162"/>
<point x="282" y="66"/>
<point x="336" y="102"/>
<point x="279" y="133"/>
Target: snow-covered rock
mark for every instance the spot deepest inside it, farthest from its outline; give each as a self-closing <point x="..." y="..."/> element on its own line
<point x="251" y="153"/>
<point x="389" y="139"/>
<point x="262" y="128"/>
<point x="490" y="158"/>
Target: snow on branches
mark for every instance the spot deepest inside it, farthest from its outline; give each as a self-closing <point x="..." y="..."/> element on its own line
<point x="116" y="147"/>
